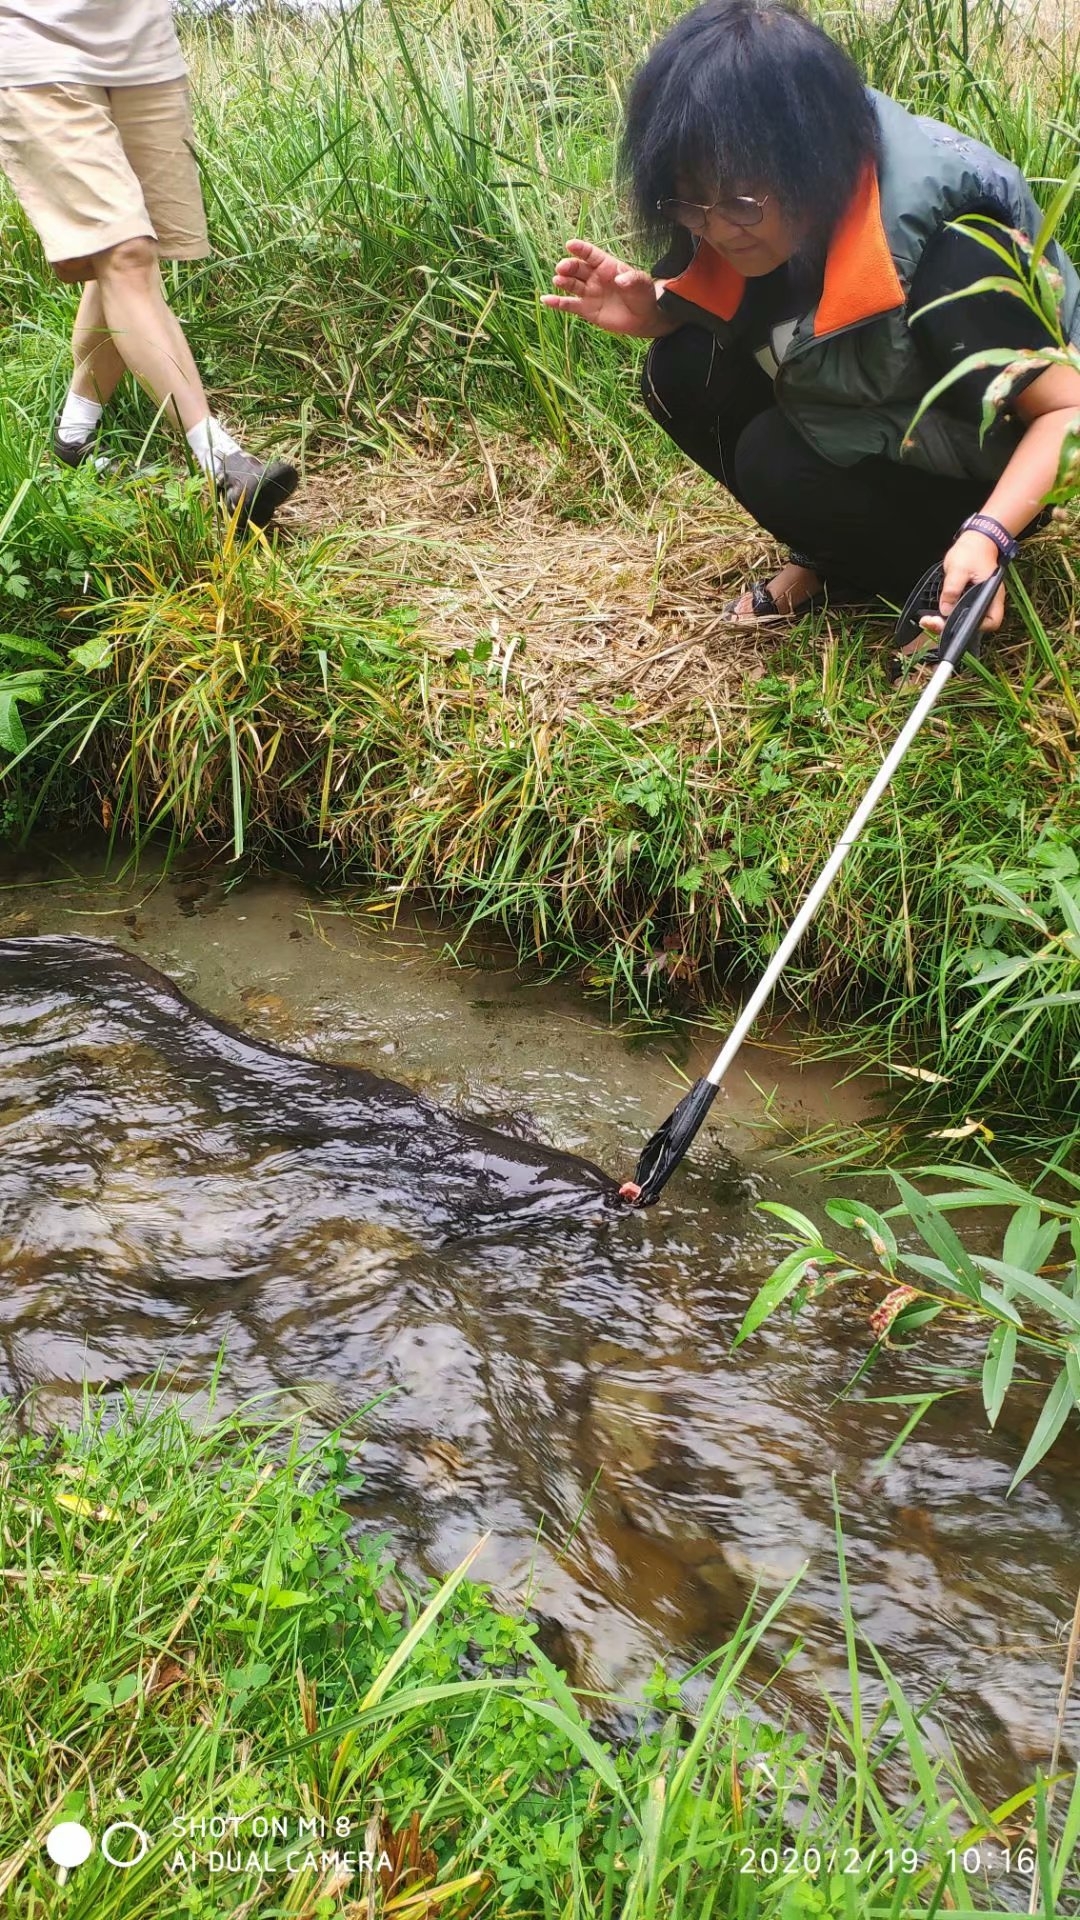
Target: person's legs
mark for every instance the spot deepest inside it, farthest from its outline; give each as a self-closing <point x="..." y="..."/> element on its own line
<point x="158" y="141"/>
<point x="144" y="332"/>
<point x="125" y="324"/>
<point x="99" y="368"/>
<point x="875" y="527"/>
<point x="108" y="178"/>
<point x="97" y="372"/>
<point x="704" y="396"/>
<point x="127" y="304"/>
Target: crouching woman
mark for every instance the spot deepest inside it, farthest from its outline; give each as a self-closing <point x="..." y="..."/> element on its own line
<point x="802" y="311"/>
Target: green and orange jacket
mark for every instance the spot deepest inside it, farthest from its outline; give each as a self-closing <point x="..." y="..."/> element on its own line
<point x="852" y="376"/>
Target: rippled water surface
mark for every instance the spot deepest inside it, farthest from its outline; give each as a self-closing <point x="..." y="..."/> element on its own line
<point x="569" y="1384"/>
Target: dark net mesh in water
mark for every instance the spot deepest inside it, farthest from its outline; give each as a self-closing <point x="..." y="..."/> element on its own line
<point x="433" y="1172"/>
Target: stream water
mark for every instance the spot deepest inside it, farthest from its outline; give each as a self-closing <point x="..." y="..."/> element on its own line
<point x="569" y="1386"/>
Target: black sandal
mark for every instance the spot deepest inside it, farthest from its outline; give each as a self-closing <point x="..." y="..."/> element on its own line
<point x="763" y="607"/>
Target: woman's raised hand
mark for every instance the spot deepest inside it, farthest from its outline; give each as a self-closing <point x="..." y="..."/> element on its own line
<point x="606" y="291"/>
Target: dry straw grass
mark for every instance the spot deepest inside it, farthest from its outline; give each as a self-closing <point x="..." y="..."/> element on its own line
<point x="597" y="614"/>
<point x="577" y="613"/>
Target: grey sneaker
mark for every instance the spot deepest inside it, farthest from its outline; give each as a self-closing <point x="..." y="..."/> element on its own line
<point x="73" y="452"/>
<point x="257" y="487"/>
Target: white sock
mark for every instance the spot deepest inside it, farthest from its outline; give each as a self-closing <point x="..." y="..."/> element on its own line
<point x="209" y="442"/>
<point x="78" y="418"/>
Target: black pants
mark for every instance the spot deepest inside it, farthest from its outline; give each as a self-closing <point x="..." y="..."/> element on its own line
<point x="874" y="527"/>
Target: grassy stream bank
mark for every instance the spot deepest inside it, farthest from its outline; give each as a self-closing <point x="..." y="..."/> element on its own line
<point x="630" y="792"/>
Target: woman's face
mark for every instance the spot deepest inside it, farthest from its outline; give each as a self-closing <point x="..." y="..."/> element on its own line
<point x="755" y="249"/>
<point x="752" y="250"/>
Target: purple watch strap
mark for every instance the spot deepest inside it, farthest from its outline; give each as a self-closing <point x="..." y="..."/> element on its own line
<point x="1007" y="546"/>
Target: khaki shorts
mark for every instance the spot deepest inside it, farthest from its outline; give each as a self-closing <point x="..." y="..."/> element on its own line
<point x="92" y="166"/>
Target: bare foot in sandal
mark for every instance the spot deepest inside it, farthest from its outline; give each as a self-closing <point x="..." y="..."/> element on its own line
<point x="787" y="593"/>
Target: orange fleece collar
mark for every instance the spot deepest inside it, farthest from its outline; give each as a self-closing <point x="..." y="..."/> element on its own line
<point x="860" y="279"/>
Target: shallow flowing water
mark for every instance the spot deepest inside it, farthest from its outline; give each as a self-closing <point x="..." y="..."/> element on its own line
<point x="567" y="1384"/>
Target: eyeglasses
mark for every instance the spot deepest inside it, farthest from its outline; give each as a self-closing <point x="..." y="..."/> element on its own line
<point x="738" y="209"/>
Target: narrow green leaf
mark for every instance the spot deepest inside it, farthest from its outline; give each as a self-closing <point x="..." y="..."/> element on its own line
<point x="991" y="283"/>
<point x="792" y="1218"/>
<point x="1061" y="200"/>
<point x="985" y="228"/>
<point x="1020" y="1235"/>
<point x="1008" y="897"/>
<point x="998" y="1370"/>
<point x="1058" y="1405"/>
<point x="776" y="1289"/>
<point x="1001" y="1306"/>
<point x="940" y="1237"/>
<point x="403" y="1651"/>
<point x="919" y="1411"/>
<point x="1054" y="1299"/>
<point x="1040" y="1001"/>
<point x="1067" y="902"/>
<point x="919" y="1314"/>
<point x="237" y="791"/>
<point x="935" y="1270"/>
<point x="863" y="1219"/>
<point x="1065" y="1859"/>
<point x="999" y="970"/>
<point x="976" y="362"/>
<point x="1044" y="1877"/>
<point x="564" y="1700"/>
<point x="575" y="1731"/>
<point x="1071" y="1283"/>
<point x="14" y="504"/>
<point x="984" y="1189"/>
<point x="918" y="1753"/>
<point x="1043" y="1244"/>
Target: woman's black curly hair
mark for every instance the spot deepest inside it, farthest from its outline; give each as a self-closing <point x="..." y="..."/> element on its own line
<point x="748" y="96"/>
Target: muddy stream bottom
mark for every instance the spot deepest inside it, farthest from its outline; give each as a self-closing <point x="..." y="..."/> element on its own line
<point x="569" y="1388"/>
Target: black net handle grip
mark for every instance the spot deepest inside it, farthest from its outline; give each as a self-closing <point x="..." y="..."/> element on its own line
<point x="964" y="623"/>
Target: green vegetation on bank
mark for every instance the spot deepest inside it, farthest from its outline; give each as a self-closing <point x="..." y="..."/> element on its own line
<point x="268" y="699"/>
<point x="387" y="193"/>
<point x="197" y="1646"/>
<point x="1025" y="1297"/>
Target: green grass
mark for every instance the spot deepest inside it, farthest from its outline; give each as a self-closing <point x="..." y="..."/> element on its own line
<point x="191" y="1632"/>
<point x="187" y="1627"/>
<point x="269" y="699"/>
<point x="387" y="194"/>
